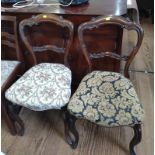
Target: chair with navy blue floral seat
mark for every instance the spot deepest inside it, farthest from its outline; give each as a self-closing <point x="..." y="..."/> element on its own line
<point x="46" y="84"/>
<point x="104" y="97"/>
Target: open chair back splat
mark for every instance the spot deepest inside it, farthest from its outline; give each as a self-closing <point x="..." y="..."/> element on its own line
<point x="42" y="40"/>
<point x="114" y="22"/>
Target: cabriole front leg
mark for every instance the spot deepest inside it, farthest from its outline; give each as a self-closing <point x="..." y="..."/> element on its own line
<point x="72" y="136"/>
<point x="136" y="139"/>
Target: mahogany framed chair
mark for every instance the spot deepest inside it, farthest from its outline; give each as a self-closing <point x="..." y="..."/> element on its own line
<point x="46" y="84"/>
<point x="10" y="71"/>
<point x="103" y="97"/>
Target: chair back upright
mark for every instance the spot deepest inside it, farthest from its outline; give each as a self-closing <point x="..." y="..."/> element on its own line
<point x="108" y="51"/>
<point x="47" y="38"/>
<point x="9" y="38"/>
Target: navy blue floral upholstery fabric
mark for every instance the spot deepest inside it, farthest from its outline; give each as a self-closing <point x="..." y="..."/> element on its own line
<point x="108" y="99"/>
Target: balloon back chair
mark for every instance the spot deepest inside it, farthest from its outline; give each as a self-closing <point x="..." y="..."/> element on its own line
<point x="47" y="83"/>
<point x="104" y="97"/>
<point x="10" y="69"/>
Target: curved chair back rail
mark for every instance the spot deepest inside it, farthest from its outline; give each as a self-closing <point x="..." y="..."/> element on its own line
<point x="47" y="19"/>
<point x="104" y="21"/>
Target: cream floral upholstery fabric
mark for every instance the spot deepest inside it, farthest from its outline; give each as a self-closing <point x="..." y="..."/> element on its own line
<point x="7" y="68"/>
<point x="108" y="99"/>
<point x="44" y="86"/>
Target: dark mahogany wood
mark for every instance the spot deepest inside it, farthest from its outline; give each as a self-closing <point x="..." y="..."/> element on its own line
<point x="71" y="133"/>
<point x="34" y="31"/>
<point x="14" y="115"/>
<point x="104" y="52"/>
<point x="136" y="139"/>
<point x="47" y="38"/>
<point x="77" y="15"/>
<point x="13" y="110"/>
<point x="94" y="7"/>
<point x="9" y="111"/>
<point x="8" y="120"/>
<point x="9" y="40"/>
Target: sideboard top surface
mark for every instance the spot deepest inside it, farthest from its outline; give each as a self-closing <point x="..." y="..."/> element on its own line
<point x="94" y="7"/>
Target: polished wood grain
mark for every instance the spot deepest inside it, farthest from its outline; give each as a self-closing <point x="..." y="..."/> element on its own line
<point x="26" y="36"/>
<point x="94" y="7"/>
<point x="77" y="15"/>
<point x="102" y="53"/>
<point x="9" y="38"/>
<point x="38" y="38"/>
<point x="44" y="134"/>
<point x="115" y="53"/>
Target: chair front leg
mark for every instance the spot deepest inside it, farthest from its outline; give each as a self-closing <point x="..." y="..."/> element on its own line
<point x="72" y="136"/>
<point x="136" y="139"/>
<point x="17" y="120"/>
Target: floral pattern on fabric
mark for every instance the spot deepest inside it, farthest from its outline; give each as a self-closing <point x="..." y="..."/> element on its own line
<point x="108" y="99"/>
<point x="44" y="86"/>
<point x="7" y="67"/>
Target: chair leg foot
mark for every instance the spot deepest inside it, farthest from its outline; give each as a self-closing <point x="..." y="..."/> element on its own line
<point x="136" y="139"/>
<point x="17" y="121"/>
<point x="72" y="136"/>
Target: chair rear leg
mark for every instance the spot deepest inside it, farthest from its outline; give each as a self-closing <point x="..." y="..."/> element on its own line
<point x="136" y="139"/>
<point x="17" y="120"/>
<point x="72" y="136"/>
<point x="9" y="121"/>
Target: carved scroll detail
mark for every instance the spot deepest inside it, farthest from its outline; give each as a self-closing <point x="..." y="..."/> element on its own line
<point x="48" y="47"/>
<point x="107" y="54"/>
<point x="44" y="18"/>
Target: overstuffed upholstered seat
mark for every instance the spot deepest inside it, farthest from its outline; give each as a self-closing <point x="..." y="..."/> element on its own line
<point x="108" y="99"/>
<point x="44" y="86"/>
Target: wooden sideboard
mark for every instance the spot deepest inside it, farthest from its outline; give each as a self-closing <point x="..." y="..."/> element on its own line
<point x="78" y="15"/>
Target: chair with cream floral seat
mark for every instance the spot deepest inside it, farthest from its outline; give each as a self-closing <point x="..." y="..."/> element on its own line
<point x="10" y="70"/>
<point x="46" y="85"/>
<point x="108" y="98"/>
